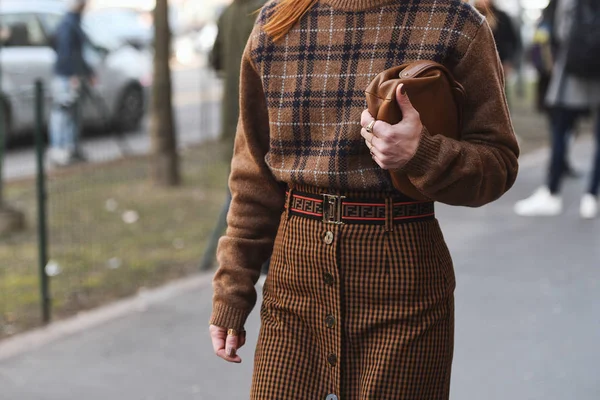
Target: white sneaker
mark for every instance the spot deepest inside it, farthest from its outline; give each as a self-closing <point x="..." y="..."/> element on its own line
<point x="542" y="203"/>
<point x="589" y="206"/>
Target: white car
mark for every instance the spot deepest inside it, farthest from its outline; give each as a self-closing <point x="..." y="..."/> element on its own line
<point x="123" y="72"/>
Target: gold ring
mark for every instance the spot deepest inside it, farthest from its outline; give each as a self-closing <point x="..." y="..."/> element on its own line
<point x="232" y="332"/>
<point x="369" y="128"/>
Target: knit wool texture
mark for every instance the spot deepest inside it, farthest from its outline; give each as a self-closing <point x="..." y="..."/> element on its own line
<point x="300" y="107"/>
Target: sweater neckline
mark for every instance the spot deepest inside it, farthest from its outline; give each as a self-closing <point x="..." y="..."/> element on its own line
<point x="356" y="5"/>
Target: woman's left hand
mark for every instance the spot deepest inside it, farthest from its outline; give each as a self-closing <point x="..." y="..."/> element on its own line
<point x="392" y="146"/>
<point x="226" y="344"/>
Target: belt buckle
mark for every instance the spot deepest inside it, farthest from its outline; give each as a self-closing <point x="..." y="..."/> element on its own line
<point x="332" y="209"/>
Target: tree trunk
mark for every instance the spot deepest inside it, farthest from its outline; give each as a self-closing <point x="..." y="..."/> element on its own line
<point x="165" y="163"/>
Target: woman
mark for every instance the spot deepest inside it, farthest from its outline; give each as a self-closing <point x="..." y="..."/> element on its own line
<point x="358" y="303"/>
<point x="542" y="53"/>
<point x="568" y="98"/>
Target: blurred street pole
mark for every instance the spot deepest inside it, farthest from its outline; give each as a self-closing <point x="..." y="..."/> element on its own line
<point x="165" y="165"/>
<point x="3" y="132"/>
<point x="41" y="201"/>
<point x="11" y="220"/>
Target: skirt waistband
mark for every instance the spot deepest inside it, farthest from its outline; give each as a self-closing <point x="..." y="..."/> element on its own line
<point x="341" y="209"/>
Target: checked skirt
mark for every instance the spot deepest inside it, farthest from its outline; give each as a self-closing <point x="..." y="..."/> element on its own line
<point x="356" y="312"/>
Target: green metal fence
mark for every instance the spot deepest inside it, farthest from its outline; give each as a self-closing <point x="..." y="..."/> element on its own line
<point x="100" y="231"/>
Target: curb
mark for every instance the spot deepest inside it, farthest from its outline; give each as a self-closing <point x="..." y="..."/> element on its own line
<point x="83" y="321"/>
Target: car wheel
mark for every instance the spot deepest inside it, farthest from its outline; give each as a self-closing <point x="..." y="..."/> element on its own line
<point x="131" y="109"/>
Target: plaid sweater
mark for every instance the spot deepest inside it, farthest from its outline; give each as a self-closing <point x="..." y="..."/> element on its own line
<point x="301" y="100"/>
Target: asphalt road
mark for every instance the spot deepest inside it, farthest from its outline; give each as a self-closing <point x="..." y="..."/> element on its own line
<point x="527" y="322"/>
<point x="195" y="94"/>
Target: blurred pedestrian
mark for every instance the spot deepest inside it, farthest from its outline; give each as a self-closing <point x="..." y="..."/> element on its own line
<point x="234" y="27"/>
<point x="542" y="55"/>
<point x="359" y="299"/>
<point x="571" y="93"/>
<point x="506" y="34"/>
<point x="71" y="72"/>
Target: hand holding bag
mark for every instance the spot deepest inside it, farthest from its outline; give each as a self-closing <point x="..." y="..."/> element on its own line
<point x="432" y="91"/>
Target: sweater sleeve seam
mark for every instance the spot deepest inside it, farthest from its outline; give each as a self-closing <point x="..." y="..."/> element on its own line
<point x="483" y="22"/>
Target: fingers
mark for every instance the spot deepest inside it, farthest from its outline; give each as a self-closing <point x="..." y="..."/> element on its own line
<point x="365" y="118"/>
<point x="377" y="155"/>
<point x="222" y="354"/>
<point x="231" y="345"/>
<point x="218" y="338"/>
<point x="409" y="113"/>
<point x="383" y="145"/>
<point x="376" y="147"/>
<point x="369" y="137"/>
<point x="391" y="146"/>
<point x="225" y="346"/>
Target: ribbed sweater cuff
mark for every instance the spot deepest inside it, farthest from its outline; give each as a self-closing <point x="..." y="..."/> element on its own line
<point x="427" y="151"/>
<point x="228" y="317"/>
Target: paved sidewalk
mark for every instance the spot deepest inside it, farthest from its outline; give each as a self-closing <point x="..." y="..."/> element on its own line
<point x="527" y="320"/>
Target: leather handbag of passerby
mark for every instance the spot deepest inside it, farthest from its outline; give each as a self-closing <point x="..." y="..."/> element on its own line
<point x="583" y="54"/>
<point x="434" y="94"/>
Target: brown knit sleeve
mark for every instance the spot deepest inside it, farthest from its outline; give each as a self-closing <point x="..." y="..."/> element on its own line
<point x="256" y="206"/>
<point x="483" y="165"/>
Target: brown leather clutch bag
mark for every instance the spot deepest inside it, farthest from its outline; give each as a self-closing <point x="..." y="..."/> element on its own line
<point x="435" y="95"/>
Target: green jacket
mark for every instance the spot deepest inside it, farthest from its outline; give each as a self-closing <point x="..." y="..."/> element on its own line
<point x="235" y="25"/>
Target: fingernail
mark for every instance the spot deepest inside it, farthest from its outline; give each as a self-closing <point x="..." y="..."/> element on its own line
<point x="229" y="351"/>
<point x="403" y="90"/>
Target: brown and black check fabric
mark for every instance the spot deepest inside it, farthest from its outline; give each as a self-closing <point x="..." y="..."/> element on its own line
<point x="357" y="312"/>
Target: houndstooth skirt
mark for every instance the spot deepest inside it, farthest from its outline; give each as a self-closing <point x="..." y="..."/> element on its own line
<point x="356" y="312"/>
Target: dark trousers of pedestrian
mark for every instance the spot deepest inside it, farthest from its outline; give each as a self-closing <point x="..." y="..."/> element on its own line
<point x="563" y="121"/>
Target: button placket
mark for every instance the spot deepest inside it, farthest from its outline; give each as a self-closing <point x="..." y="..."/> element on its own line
<point x="330" y="321"/>
<point x="332" y="359"/>
<point x="328" y="238"/>
<point x="328" y="279"/>
<point x="331" y="324"/>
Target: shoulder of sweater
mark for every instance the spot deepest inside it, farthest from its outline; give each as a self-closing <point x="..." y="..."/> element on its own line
<point x="468" y="17"/>
<point x="461" y="19"/>
<point x="265" y="10"/>
<point x="468" y="21"/>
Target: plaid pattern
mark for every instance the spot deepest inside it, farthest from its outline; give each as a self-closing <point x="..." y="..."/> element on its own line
<point x="314" y="81"/>
<point x="367" y="316"/>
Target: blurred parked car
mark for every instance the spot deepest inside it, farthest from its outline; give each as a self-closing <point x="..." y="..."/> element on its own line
<point x="126" y="25"/>
<point x="123" y="73"/>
